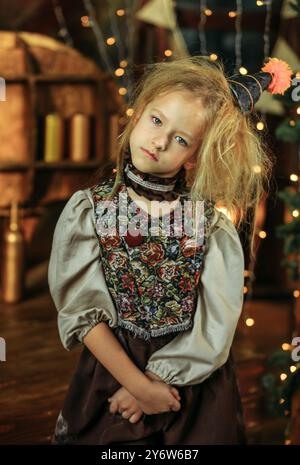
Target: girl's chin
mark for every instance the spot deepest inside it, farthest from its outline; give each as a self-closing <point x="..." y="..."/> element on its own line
<point x="146" y="163"/>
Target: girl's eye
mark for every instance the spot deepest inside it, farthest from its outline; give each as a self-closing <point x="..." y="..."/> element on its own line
<point x="182" y="141"/>
<point x="155" y="118"/>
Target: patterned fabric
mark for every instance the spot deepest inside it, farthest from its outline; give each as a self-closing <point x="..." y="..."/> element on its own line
<point x="153" y="284"/>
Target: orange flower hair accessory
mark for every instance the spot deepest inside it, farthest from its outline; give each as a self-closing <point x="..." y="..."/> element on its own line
<point x="281" y="75"/>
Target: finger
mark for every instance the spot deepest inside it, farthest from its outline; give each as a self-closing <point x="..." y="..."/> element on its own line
<point x="136" y="417"/>
<point x="127" y="414"/>
<point x="175" y="393"/>
<point x="174" y="389"/>
<point x="113" y="407"/>
<point x="176" y="407"/>
<point x="123" y="408"/>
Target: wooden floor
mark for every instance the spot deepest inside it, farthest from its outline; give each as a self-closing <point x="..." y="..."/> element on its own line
<point x="35" y="376"/>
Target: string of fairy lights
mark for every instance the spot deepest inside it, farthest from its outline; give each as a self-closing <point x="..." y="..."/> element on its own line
<point x="100" y="39"/>
<point x="60" y="17"/>
<point x="238" y="36"/>
<point x="204" y="12"/>
<point x="125" y="51"/>
<point x="267" y="28"/>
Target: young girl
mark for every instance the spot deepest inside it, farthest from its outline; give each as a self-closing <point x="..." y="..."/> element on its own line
<point x="155" y="305"/>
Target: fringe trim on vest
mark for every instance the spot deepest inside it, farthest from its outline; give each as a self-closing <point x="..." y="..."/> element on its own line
<point x="146" y="335"/>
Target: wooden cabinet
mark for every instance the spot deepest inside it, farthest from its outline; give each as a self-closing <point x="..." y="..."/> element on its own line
<point x="48" y="78"/>
<point x="24" y="173"/>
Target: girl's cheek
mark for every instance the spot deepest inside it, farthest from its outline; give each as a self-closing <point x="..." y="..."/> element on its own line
<point x="145" y="129"/>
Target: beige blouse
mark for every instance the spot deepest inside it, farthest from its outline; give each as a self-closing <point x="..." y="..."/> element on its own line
<point x="82" y="299"/>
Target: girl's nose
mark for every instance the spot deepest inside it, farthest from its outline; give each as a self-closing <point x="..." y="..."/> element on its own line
<point x="159" y="143"/>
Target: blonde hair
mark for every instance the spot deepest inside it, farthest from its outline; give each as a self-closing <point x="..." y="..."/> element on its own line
<point x="233" y="167"/>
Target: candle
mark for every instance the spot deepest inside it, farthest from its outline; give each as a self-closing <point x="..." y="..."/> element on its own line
<point x="79" y="137"/>
<point x="54" y="138"/>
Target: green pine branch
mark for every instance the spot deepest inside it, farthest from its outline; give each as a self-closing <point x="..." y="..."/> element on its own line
<point x="279" y="392"/>
<point x="291" y="198"/>
<point x="287" y="132"/>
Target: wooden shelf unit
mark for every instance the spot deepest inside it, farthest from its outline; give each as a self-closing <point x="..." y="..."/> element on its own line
<point x="38" y="90"/>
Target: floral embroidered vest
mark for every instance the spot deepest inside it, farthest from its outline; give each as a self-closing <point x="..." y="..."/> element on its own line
<point x="153" y="284"/>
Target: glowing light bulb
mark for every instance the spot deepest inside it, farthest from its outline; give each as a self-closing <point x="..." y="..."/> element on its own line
<point x="285" y="346"/>
<point x="85" y="21"/>
<point x="292" y="123"/>
<point x="129" y="111"/>
<point x="262" y="234"/>
<point x="282" y="401"/>
<point x="260" y="126"/>
<point x="114" y="170"/>
<point x="120" y="12"/>
<point x="245" y="289"/>
<point x="294" y="177"/>
<point x="232" y="14"/>
<point x="208" y="12"/>
<point x="250" y="322"/>
<point x="259" y="3"/>
<point x="111" y="41"/>
<point x="295" y="213"/>
<point x="119" y="72"/>
<point x="243" y="70"/>
<point x="247" y="274"/>
<point x="283" y="376"/>
<point x="298" y="111"/>
<point x="257" y="169"/>
<point x="122" y="91"/>
<point x="123" y="63"/>
<point x="168" y="53"/>
<point x="213" y="56"/>
<point x="293" y="368"/>
<point x="296" y="293"/>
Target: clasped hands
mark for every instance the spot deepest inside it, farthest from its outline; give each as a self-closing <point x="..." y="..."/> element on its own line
<point x="159" y="398"/>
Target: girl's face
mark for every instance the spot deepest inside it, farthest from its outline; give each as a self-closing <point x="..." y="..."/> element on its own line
<point x="170" y="129"/>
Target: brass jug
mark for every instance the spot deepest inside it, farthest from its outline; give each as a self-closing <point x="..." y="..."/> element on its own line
<point x="13" y="259"/>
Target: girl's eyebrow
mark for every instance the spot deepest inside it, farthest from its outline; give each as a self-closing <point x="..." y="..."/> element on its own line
<point x="183" y="132"/>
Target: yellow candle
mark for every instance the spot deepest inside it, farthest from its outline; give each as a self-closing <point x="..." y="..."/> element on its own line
<point x="54" y="138"/>
<point x="79" y="137"/>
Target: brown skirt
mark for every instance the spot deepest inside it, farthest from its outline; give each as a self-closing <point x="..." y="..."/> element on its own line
<point x="210" y="413"/>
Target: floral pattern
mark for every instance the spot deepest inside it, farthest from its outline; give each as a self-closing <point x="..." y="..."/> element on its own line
<point x="153" y="284"/>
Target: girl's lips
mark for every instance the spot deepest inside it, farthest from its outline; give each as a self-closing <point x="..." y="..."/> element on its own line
<point x="149" y="154"/>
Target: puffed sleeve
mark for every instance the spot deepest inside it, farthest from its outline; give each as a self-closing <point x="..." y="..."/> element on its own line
<point x="193" y="355"/>
<point x="75" y="274"/>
